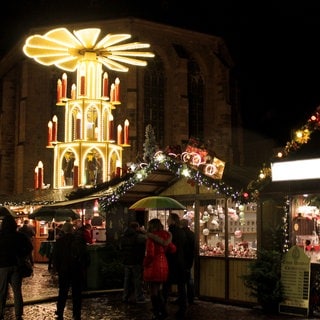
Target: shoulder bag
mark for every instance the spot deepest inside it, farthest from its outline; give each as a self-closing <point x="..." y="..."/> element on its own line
<point x="25" y="267"/>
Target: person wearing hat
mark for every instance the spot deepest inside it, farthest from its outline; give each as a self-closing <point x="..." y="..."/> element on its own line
<point x="70" y="260"/>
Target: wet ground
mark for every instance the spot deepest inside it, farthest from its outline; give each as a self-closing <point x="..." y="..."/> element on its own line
<point x="40" y="292"/>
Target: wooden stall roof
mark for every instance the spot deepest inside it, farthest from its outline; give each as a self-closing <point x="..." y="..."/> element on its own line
<point x="154" y="183"/>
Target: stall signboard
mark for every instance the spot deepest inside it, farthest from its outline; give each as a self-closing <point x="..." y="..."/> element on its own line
<point x="295" y="278"/>
<point x="296" y="170"/>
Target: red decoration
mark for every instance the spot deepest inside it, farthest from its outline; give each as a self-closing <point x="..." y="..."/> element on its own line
<point x="126" y="132"/>
<point x="82" y="85"/>
<point x="36" y="186"/>
<point x="54" y="128"/>
<point x="75" y="176"/>
<point x="111" y="125"/>
<point x="78" y="127"/>
<point x="49" y="134"/>
<point x="59" y="91"/>
<point x="40" y="175"/>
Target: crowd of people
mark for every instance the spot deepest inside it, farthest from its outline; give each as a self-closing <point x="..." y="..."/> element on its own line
<point x="69" y="259"/>
<point x="155" y="260"/>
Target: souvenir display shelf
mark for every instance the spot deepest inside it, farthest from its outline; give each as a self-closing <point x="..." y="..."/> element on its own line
<point x="306" y="225"/>
<point x="238" y="233"/>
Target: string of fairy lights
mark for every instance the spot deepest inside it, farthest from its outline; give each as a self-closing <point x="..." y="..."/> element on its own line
<point x="181" y="170"/>
<point x="115" y="189"/>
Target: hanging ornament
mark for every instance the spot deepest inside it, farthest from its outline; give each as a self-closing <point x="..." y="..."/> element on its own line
<point x="205" y="216"/>
<point x="238" y="234"/>
<point x="206" y="232"/>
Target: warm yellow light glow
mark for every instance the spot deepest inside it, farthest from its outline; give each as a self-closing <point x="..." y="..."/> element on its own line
<point x="64" y="49"/>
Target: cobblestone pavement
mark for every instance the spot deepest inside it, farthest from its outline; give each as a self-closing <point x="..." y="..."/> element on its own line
<point x="40" y="292"/>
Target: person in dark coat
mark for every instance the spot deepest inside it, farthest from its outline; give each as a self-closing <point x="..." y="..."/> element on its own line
<point x="189" y="256"/>
<point x="70" y="260"/>
<point x="177" y="264"/>
<point x="133" y="246"/>
<point x="14" y="245"/>
<point x="53" y="233"/>
<point x="30" y="233"/>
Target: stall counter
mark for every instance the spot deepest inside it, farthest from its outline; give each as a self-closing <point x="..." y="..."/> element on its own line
<point x="97" y="251"/>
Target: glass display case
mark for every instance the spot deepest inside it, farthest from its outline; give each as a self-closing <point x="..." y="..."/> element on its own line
<point x="226" y="228"/>
<point x="305" y="221"/>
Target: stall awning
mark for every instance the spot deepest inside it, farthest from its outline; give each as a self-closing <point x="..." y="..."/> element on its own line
<point x="81" y="203"/>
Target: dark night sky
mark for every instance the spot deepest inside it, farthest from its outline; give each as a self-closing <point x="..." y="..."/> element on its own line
<point x="275" y="45"/>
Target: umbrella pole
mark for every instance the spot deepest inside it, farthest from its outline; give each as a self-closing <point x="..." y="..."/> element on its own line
<point x="83" y="213"/>
<point x="54" y="229"/>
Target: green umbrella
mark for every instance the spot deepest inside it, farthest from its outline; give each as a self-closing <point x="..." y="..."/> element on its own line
<point x="4" y="211"/>
<point x="157" y="202"/>
<point x="50" y="213"/>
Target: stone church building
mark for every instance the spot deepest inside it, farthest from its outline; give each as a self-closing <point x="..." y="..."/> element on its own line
<point x="186" y="91"/>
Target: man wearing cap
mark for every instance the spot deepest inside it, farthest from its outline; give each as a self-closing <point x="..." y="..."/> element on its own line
<point x="70" y="261"/>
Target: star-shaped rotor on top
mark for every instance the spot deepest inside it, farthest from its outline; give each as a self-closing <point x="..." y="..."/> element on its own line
<point x="64" y="49"/>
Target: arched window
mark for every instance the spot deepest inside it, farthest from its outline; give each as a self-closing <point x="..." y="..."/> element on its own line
<point x="93" y="167"/>
<point x="154" y="98"/>
<point x="195" y="96"/>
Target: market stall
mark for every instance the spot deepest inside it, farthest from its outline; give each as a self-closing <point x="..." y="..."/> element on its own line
<point x="292" y="202"/>
<point x="226" y="241"/>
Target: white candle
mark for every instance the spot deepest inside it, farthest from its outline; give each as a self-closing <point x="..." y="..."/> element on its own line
<point x="64" y="85"/>
<point x="54" y="128"/>
<point x="117" y="90"/>
<point x="112" y="93"/>
<point x="126" y="132"/>
<point x="111" y="127"/>
<point x="59" y="91"/>
<point x="40" y="175"/>
<point x="49" y="133"/>
<point x="73" y="91"/>
<point x="119" y="134"/>
<point x="36" y="178"/>
<point x="105" y="85"/>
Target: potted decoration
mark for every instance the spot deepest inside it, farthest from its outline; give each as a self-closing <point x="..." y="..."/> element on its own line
<point x="264" y="276"/>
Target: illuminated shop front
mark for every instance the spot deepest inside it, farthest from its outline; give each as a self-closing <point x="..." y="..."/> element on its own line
<point x="291" y="204"/>
<point x="226" y="226"/>
<point x="297" y="181"/>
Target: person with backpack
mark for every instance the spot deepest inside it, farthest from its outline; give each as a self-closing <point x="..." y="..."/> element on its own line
<point x="133" y="246"/>
<point x="70" y="261"/>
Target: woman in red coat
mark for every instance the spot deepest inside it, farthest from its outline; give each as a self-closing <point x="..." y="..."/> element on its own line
<point x="155" y="271"/>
